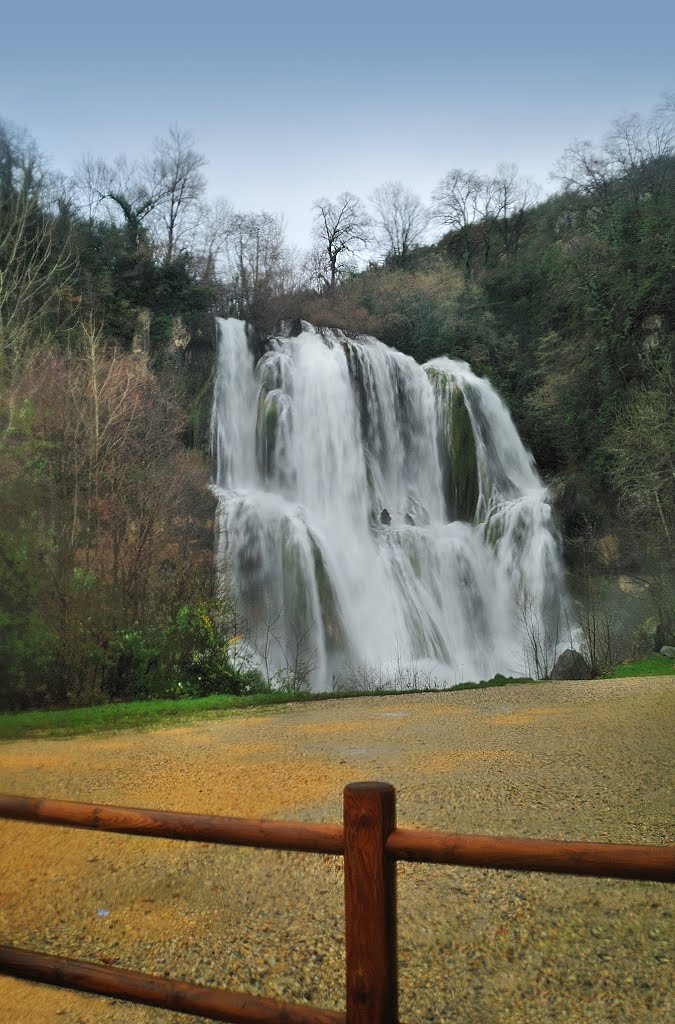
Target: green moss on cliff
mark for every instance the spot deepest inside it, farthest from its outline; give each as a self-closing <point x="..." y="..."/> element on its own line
<point x="266" y="432"/>
<point x="333" y="627"/>
<point x="463" y="458"/>
<point x="457" y="447"/>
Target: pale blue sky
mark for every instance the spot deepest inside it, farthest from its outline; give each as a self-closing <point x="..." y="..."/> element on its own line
<point x="289" y="101"/>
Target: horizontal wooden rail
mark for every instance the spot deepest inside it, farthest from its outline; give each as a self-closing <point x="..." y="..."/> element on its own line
<point x="605" y="860"/>
<point x="370" y="844"/>
<point x="206" y="828"/>
<point x="212" y="1003"/>
<point x="608" y="860"/>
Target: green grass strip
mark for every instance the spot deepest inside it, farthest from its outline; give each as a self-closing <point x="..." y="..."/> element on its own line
<point x="653" y="665"/>
<point x="141" y="714"/>
<point x="153" y="714"/>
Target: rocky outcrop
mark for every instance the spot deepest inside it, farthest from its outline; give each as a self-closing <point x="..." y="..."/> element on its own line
<point x="266" y="431"/>
<point x="571" y="665"/>
<point x="457" y="448"/>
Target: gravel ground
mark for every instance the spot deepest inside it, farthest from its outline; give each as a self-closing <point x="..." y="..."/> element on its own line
<point x="566" y="760"/>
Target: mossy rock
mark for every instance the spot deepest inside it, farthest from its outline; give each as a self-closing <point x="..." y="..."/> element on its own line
<point x="463" y="459"/>
<point x="494" y="531"/>
<point x="374" y="502"/>
<point x="297" y="605"/>
<point x="299" y="613"/>
<point x="436" y="376"/>
<point x="370" y="481"/>
<point x="333" y="627"/>
<point x="411" y="552"/>
<point x="359" y="389"/>
<point x="266" y="432"/>
<point x="198" y="408"/>
<point x="425" y="643"/>
<point x="268" y="372"/>
<point x="457" y="447"/>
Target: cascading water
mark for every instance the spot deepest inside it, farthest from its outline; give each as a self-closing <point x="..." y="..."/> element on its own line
<point x="378" y="518"/>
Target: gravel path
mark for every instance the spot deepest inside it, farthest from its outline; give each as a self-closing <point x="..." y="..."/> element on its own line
<point x="565" y="760"/>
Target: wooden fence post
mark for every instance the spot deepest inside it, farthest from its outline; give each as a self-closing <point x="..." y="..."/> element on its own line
<point x="370" y="904"/>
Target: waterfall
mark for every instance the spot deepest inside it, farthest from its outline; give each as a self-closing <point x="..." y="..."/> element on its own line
<point x="378" y="520"/>
<point x="234" y="396"/>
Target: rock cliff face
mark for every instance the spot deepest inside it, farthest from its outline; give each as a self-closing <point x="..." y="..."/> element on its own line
<point x="613" y="576"/>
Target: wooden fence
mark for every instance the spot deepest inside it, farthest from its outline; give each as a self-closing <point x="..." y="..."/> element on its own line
<point x="370" y="843"/>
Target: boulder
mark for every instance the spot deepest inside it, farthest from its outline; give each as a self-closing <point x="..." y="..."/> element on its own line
<point x="609" y="550"/>
<point x="571" y="665"/>
<point x="574" y="505"/>
<point x="632" y="586"/>
<point x="385" y="518"/>
<point x="667" y="652"/>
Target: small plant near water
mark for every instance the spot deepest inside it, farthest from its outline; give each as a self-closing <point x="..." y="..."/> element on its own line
<point x="402" y="677"/>
<point x="497" y="680"/>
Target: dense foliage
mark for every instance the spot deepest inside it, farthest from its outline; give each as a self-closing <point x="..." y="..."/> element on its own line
<point x="567" y="305"/>
<point x="107" y="586"/>
<point x="109" y="282"/>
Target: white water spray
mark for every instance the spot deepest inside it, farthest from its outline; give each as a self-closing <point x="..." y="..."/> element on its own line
<point x="377" y="515"/>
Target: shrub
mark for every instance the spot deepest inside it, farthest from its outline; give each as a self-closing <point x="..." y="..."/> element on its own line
<point x="189" y="656"/>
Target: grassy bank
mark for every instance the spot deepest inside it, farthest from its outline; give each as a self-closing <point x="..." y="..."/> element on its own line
<point x="153" y="714"/>
<point x="653" y="665"/>
<point x="141" y="714"/>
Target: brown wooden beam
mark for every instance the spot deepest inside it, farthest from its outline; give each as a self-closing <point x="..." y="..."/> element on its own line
<point x="133" y="987"/>
<point x="606" y="860"/>
<point x="208" y="828"/>
<point x="650" y="863"/>
<point x="370" y="904"/>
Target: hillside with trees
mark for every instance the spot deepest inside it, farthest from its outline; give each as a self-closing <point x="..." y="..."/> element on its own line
<point x="110" y="280"/>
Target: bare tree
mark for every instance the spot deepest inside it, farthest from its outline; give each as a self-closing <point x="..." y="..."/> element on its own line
<point x="121" y="190"/>
<point x="342" y="231"/>
<point x="457" y="198"/>
<point x="540" y="638"/>
<point x="512" y="197"/>
<point x="119" y="504"/>
<point x="175" y="175"/>
<point x="283" y="646"/>
<point x="316" y="268"/>
<point x="637" y="149"/>
<point x="401" y="220"/>
<point x="462" y="201"/>
<point x="483" y="209"/>
<point x="261" y="265"/>
<point x="23" y="170"/>
<point x="162" y="194"/>
<point x="36" y="265"/>
<point x="213" y="233"/>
